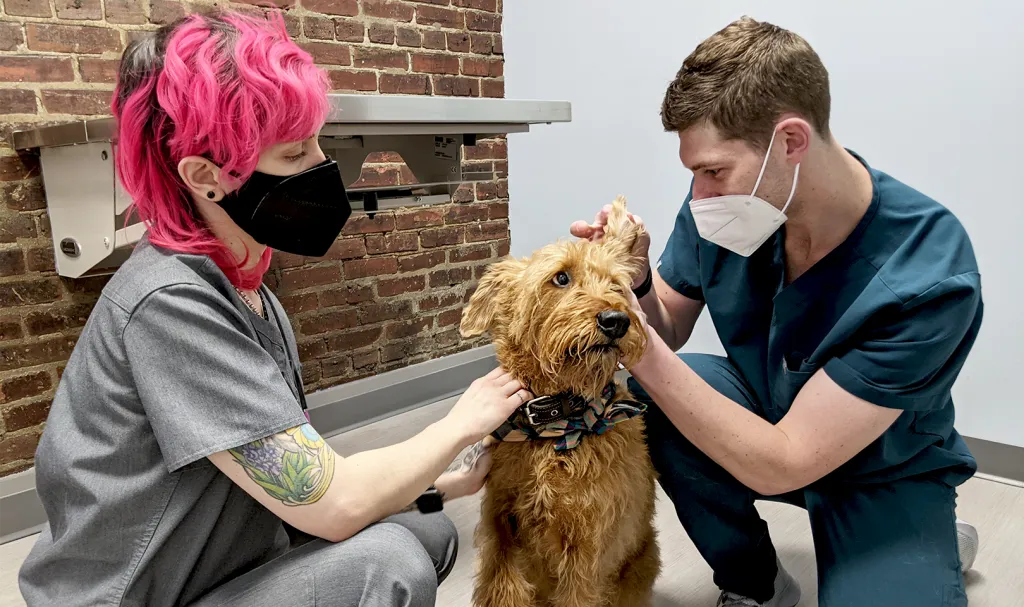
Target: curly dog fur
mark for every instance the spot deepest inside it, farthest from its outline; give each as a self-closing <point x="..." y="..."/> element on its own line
<point x="571" y="528"/>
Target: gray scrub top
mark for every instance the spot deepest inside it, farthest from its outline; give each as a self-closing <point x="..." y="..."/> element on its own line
<point x="170" y="368"/>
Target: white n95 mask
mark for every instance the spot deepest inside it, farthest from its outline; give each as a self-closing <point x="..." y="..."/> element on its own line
<point x="738" y="222"/>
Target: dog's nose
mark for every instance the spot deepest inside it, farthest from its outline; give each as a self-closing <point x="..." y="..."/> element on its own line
<point x="613" y="323"/>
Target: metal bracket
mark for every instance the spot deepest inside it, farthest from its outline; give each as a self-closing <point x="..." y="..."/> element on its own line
<point x="86" y="203"/>
<point x="78" y="181"/>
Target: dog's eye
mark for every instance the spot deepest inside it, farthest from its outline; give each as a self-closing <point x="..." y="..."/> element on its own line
<point x="561" y="279"/>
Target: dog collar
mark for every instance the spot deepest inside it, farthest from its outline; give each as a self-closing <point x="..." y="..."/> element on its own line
<point x="545" y="410"/>
<point x="567" y="417"/>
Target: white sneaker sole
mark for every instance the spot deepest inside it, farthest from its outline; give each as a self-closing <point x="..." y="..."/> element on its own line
<point x="790" y="596"/>
<point x="967" y="542"/>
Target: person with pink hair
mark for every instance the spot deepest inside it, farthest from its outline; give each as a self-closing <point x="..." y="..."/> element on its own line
<point x="177" y="455"/>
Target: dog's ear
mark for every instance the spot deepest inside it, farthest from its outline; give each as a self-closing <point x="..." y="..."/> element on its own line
<point x="479" y="314"/>
<point x="620" y="233"/>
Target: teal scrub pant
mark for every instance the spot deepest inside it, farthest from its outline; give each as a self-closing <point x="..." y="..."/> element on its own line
<point x="883" y="545"/>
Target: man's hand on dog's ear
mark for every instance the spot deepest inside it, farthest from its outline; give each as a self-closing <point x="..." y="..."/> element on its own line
<point x="592" y="231"/>
<point x="595" y="233"/>
<point x="641" y="250"/>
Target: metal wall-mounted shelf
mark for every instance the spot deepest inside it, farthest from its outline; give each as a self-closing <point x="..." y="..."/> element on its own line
<point x="85" y="200"/>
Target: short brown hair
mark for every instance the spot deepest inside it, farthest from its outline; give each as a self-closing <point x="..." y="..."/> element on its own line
<point x="741" y="79"/>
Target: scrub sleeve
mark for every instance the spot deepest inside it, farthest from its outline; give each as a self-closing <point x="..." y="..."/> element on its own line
<point x="205" y="385"/>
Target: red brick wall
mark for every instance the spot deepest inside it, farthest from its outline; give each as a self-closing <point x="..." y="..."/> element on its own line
<point x="390" y="292"/>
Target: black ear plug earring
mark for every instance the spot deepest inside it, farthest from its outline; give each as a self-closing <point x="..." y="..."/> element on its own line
<point x="210" y="194"/>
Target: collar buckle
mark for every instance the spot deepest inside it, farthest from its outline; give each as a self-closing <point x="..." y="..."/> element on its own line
<point x="548" y="409"/>
<point x="542" y="410"/>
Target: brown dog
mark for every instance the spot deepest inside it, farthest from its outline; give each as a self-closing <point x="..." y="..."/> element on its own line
<point x="566" y="521"/>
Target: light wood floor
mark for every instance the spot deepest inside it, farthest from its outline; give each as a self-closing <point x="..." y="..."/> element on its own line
<point x="995" y="508"/>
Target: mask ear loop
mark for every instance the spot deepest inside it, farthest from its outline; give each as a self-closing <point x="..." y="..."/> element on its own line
<point x="792" y="191"/>
<point x="764" y="164"/>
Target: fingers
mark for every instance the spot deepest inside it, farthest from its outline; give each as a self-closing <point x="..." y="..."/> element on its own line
<point x="521" y="397"/>
<point x="511" y="386"/>
<point x="592" y="231"/>
<point x="581" y="229"/>
<point x="601" y="219"/>
<point x="634" y="303"/>
<point x="499" y="377"/>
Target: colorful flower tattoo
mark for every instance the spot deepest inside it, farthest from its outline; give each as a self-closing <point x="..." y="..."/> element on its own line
<point x="295" y="466"/>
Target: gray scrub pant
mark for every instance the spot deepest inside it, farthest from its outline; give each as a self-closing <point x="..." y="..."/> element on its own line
<point x="398" y="562"/>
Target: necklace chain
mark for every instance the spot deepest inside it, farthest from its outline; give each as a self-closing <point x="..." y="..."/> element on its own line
<point x="248" y="302"/>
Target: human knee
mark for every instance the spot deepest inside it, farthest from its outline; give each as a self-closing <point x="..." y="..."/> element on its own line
<point x="436" y="533"/>
<point x="706" y="366"/>
<point x="443" y="547"/>
<point x="410" y="563"/>
<point x="397" y="566"/>
<point x="695" y="359"/>
<point x="439" y="537"/>
<point x="719" y="373"/>
<point x="672" y="454"/>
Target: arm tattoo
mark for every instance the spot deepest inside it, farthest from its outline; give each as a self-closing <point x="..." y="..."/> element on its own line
<point x="295" y="466"/>
<point x="468" y="460"/>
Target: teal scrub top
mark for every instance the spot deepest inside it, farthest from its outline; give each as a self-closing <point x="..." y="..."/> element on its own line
<point x="890" y="315"/>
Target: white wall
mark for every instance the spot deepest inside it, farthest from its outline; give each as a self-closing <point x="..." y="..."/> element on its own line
<point x="930" y="92"/>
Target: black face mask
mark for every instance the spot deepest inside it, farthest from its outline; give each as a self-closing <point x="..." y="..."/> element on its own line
<point x="301" y="214"/>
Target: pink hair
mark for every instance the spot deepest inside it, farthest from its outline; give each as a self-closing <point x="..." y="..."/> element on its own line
<point x="222" y="86"/>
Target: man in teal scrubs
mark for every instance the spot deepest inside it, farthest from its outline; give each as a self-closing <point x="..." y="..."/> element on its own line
<point x="847" y="303"/>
